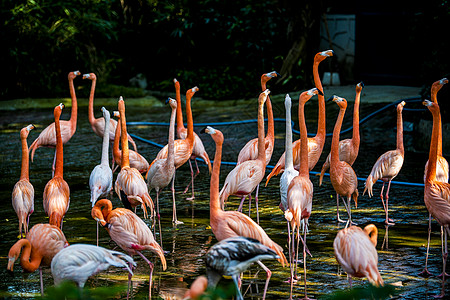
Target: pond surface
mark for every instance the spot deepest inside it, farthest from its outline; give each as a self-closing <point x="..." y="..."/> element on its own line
<point x="400" y="260"/>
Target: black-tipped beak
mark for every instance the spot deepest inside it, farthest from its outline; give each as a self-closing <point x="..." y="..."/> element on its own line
<point x="278" y="74"/>
<point x="362" y="84"/>
<point x="167" y="100"/>
<point x="203" y="130"/>
<point x="319" y="92"/>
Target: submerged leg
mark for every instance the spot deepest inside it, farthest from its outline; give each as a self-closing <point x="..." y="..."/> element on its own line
<point x="269" y="274"/>
<point x="237" y="280"/>
<point x="425" y="272"/>
<point x="304" y="264"/>
<point x="42" y="282"/>
<point x="444" y="264"/>
<point x="150" y="264"/>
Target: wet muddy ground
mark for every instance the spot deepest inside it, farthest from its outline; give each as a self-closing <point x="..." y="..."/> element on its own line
<point x="401" y="249"/>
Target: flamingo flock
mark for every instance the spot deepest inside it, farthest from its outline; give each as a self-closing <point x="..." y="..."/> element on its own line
<point x="242" y="241"/>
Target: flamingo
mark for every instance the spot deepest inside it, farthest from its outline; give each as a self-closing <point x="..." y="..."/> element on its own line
<point x="137" y="161"/>
<point x="226" y="224"/>
<point x="300" y="190"/>
<point x="129" y="232"/>
<point x="100" y="180"/>
<point x="42" y="243"/>
<point x="198" y="288"/>
<point x="80" y="261"/>
<point x="245" y="177"/>
<point x="387" y="166"/>
<point x="130" y="185"/>
<point x="56" y="192"/>
<point x="436" y="193"/>
<point x="98" y="124"/>
<point x="315" y="144"/>
<point x="441" y="167"/>
<point x="162" y="171"/>
<point x="199" y="148"/>
<point x="250" y="150"/>
<point x="183" y="148"/>
<point x="348" y="148"/>
<point x="47" y="136"/>
<point x="23" y="191"/>
<point x="230" y="257"/>
<point x="342" y="176"/>
<point x="355" y="251"/>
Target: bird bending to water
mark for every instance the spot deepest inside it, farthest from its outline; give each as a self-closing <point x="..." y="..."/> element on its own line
<point x="80" y="261"/>
<point x="23" y="191"/>
<point x="388" y="166"/>
<point x="162" y="171"/>
<point x="355" y="251"/>
<point x="316" y="143"/>
<point x="231" y="257"/>
<point x="129" y="232"/>
<point x="100" y="180"/>
<point x="245" y="177"/>
<point x="137" y="161"/>
<point x="226" y="224"/>
<point x="42" y="243"/>
<point x="199" y="148"/>
<point x="300" y="191"/>
<point x="348" y="148"/>
<point x="250" y="150"/>
<point x="56" y="195"/>
<point x="436" y="193"/>
<point x="342" y="176"/>
<point x="183" y="148"/>
<point x="441" y="167"/>
<point x="47" y="136"/>
<point x="98" y="124"/>
<point x="130" y="185"/>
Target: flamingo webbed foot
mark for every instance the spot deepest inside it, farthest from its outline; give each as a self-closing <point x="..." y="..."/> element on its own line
<point x="425" y="273"/>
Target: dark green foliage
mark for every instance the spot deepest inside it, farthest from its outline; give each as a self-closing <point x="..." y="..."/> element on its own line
<point x="365" y="292"/>
<point x="68" y="290"/>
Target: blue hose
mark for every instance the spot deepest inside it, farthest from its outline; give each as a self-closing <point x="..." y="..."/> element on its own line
<point x="361" y="121"/>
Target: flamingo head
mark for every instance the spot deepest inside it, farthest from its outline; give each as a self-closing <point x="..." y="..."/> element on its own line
<point x="433" y="107"/>
<point x="90" y="76"/>
<point x="306" y="95"/>
<point x="191" y="92"/>
<point x="57" y="111"/>
<point x="105" y="113"/>
<point x="116" y="114"/>
<point x="359" y="87"/>
<point x="172" y="102"/>
<point x="73" y="74"/>
<point x="176" y="83"/>
<point x="267" y="76"/>
<point x="216" y="134"/>
<point x="400" y="106"/>
<point x="287" y="102"/>
<point x="323" y="55"/>
<point x="26" y="130"/>
<point x="341" y="102"/>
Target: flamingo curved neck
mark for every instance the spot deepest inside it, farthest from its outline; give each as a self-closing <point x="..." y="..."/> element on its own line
<point x="91" y="116"/>
<point x="73" y="114"/>
<point x="24" y="171"/>
<point x="432" y="157"/>
<point x="321" y="129"/>
<point x="270" y="122"/>
<point x="171" y="151"/>
<point x="59" y="164"/>
<point x="335" y="141"/>
<point x="102" y="207"/>
<point x="400" y="132"/>
<point x="105" y="145"/>
<point x="372" y="232"/>
<point x="355" y="134"/>
<point x="304" y="168"/>
<point x="30" y="260"/>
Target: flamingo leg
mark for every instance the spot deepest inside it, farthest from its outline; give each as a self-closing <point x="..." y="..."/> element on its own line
<point x="304" y="263"/>
<point x="291" y="262"/>
<point x="444" y="264"/>
<point x="97" y="233"/>
<point x="241" y="204"/>
<point x="388" y="221"/>
<point x="159" y="217"/>
<point x="337" y="209"/>
<point x="150" y="264"/>
<point x="256" y="203"/>
<point x="269" y="274"/>
<point x="174" y="208"/>
<point x="237" y="280"/>
<point x="386" y="238"/>
<point x="425" y="272"/>
<point x="191" y="183"/>
<point x="442" y="248"/>
<point x="129" y="280"/>
<point x="53" y="165"/>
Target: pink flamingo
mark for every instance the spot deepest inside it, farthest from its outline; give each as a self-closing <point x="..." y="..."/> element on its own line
<point x="47" y="136"/>
<point x="250" y="150"/>
<point x="348" y="148"/>
<point x="225" y="224"/>
<point x="98" y="124"/>
<point x="23" y="192"/>
<point x="130" y="185"/>
<point x="245" y="177"/>
<point x="342" y="176"/>
<point x="315" y="144"/>
<point x="42" y="243"/>
<point x="436" y="193"/>
<point x="129" y="232"/>
<point x="56" y="192"/>
<point x="387" y="166"/>
<point x="355" y="251"/>
<point x="300" y="190"/>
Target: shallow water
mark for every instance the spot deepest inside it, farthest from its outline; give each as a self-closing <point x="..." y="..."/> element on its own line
<point x="400" y="260"/>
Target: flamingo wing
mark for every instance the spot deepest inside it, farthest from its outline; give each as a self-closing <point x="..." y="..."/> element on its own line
<point x="437" y="201"/>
